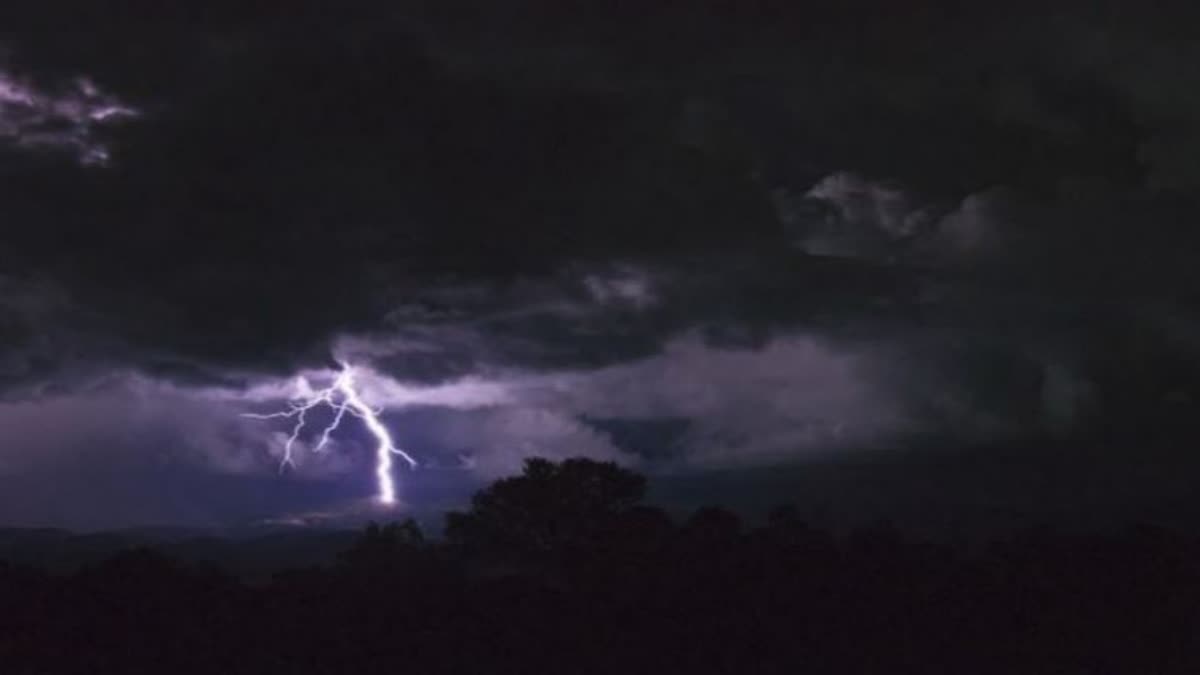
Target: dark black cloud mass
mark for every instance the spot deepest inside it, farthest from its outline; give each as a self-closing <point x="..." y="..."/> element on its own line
<point x="741" y="233"/>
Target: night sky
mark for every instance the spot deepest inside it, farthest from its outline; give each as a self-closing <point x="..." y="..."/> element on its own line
<point x="927" y="262"/>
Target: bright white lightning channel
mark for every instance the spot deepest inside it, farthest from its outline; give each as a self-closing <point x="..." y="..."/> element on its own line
<point x="342" y="398"/>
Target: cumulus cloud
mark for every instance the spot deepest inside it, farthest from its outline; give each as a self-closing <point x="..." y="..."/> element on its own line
<point x="495" y="442"/>
<point x="858" y="201"/>
<point x="118" y="455"/>
<point x="975" y="230"/>
<point x="133" y="451"/>
<point x="623" y="285"/>
<point x="848" y="215"/>
<point x="1080" y="235"/>
<point x="794" y="396"/>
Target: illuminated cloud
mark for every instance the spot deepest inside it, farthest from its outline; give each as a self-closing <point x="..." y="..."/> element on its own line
<point x="64" y="118"/>
<point x="622" y="286"/>
<point x="794" y="396"/>
<point x="376" y="388"/>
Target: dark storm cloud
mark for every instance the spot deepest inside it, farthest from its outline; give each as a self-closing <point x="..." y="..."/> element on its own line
<point x="780" y="229"/>
<point x="1080" y="235"/>
<point x="289" y="181"/>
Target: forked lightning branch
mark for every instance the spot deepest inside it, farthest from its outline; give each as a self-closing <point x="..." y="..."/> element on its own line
<point x="342" y="398"/>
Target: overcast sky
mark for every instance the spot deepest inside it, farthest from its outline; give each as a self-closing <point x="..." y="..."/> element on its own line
<point x="704" y="239"/>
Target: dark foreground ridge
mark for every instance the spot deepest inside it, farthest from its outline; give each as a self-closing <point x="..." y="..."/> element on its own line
<point x="564" y="570"/>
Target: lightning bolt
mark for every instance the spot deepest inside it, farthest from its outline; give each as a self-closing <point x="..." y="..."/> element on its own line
<point x="342" y="398"/>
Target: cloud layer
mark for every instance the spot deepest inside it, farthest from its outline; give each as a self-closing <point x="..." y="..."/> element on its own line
<point x="681" y="237"/>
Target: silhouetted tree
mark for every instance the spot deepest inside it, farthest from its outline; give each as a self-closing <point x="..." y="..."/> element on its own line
<point x="790" y="538"/>
<point x="394" y="555"/>
<point x="602" y="583"/>
<point x="384" y="545"/>
<point x="713" y="525"/>
<point x="550" y="508"/>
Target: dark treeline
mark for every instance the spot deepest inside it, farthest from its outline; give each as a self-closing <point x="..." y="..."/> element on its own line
<point x="564" y="570"/>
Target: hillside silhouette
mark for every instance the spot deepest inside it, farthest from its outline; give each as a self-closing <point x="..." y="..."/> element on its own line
<point x="565" y="569"/>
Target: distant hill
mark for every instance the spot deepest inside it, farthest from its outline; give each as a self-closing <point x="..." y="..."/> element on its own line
<point x="251" y="553"/>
